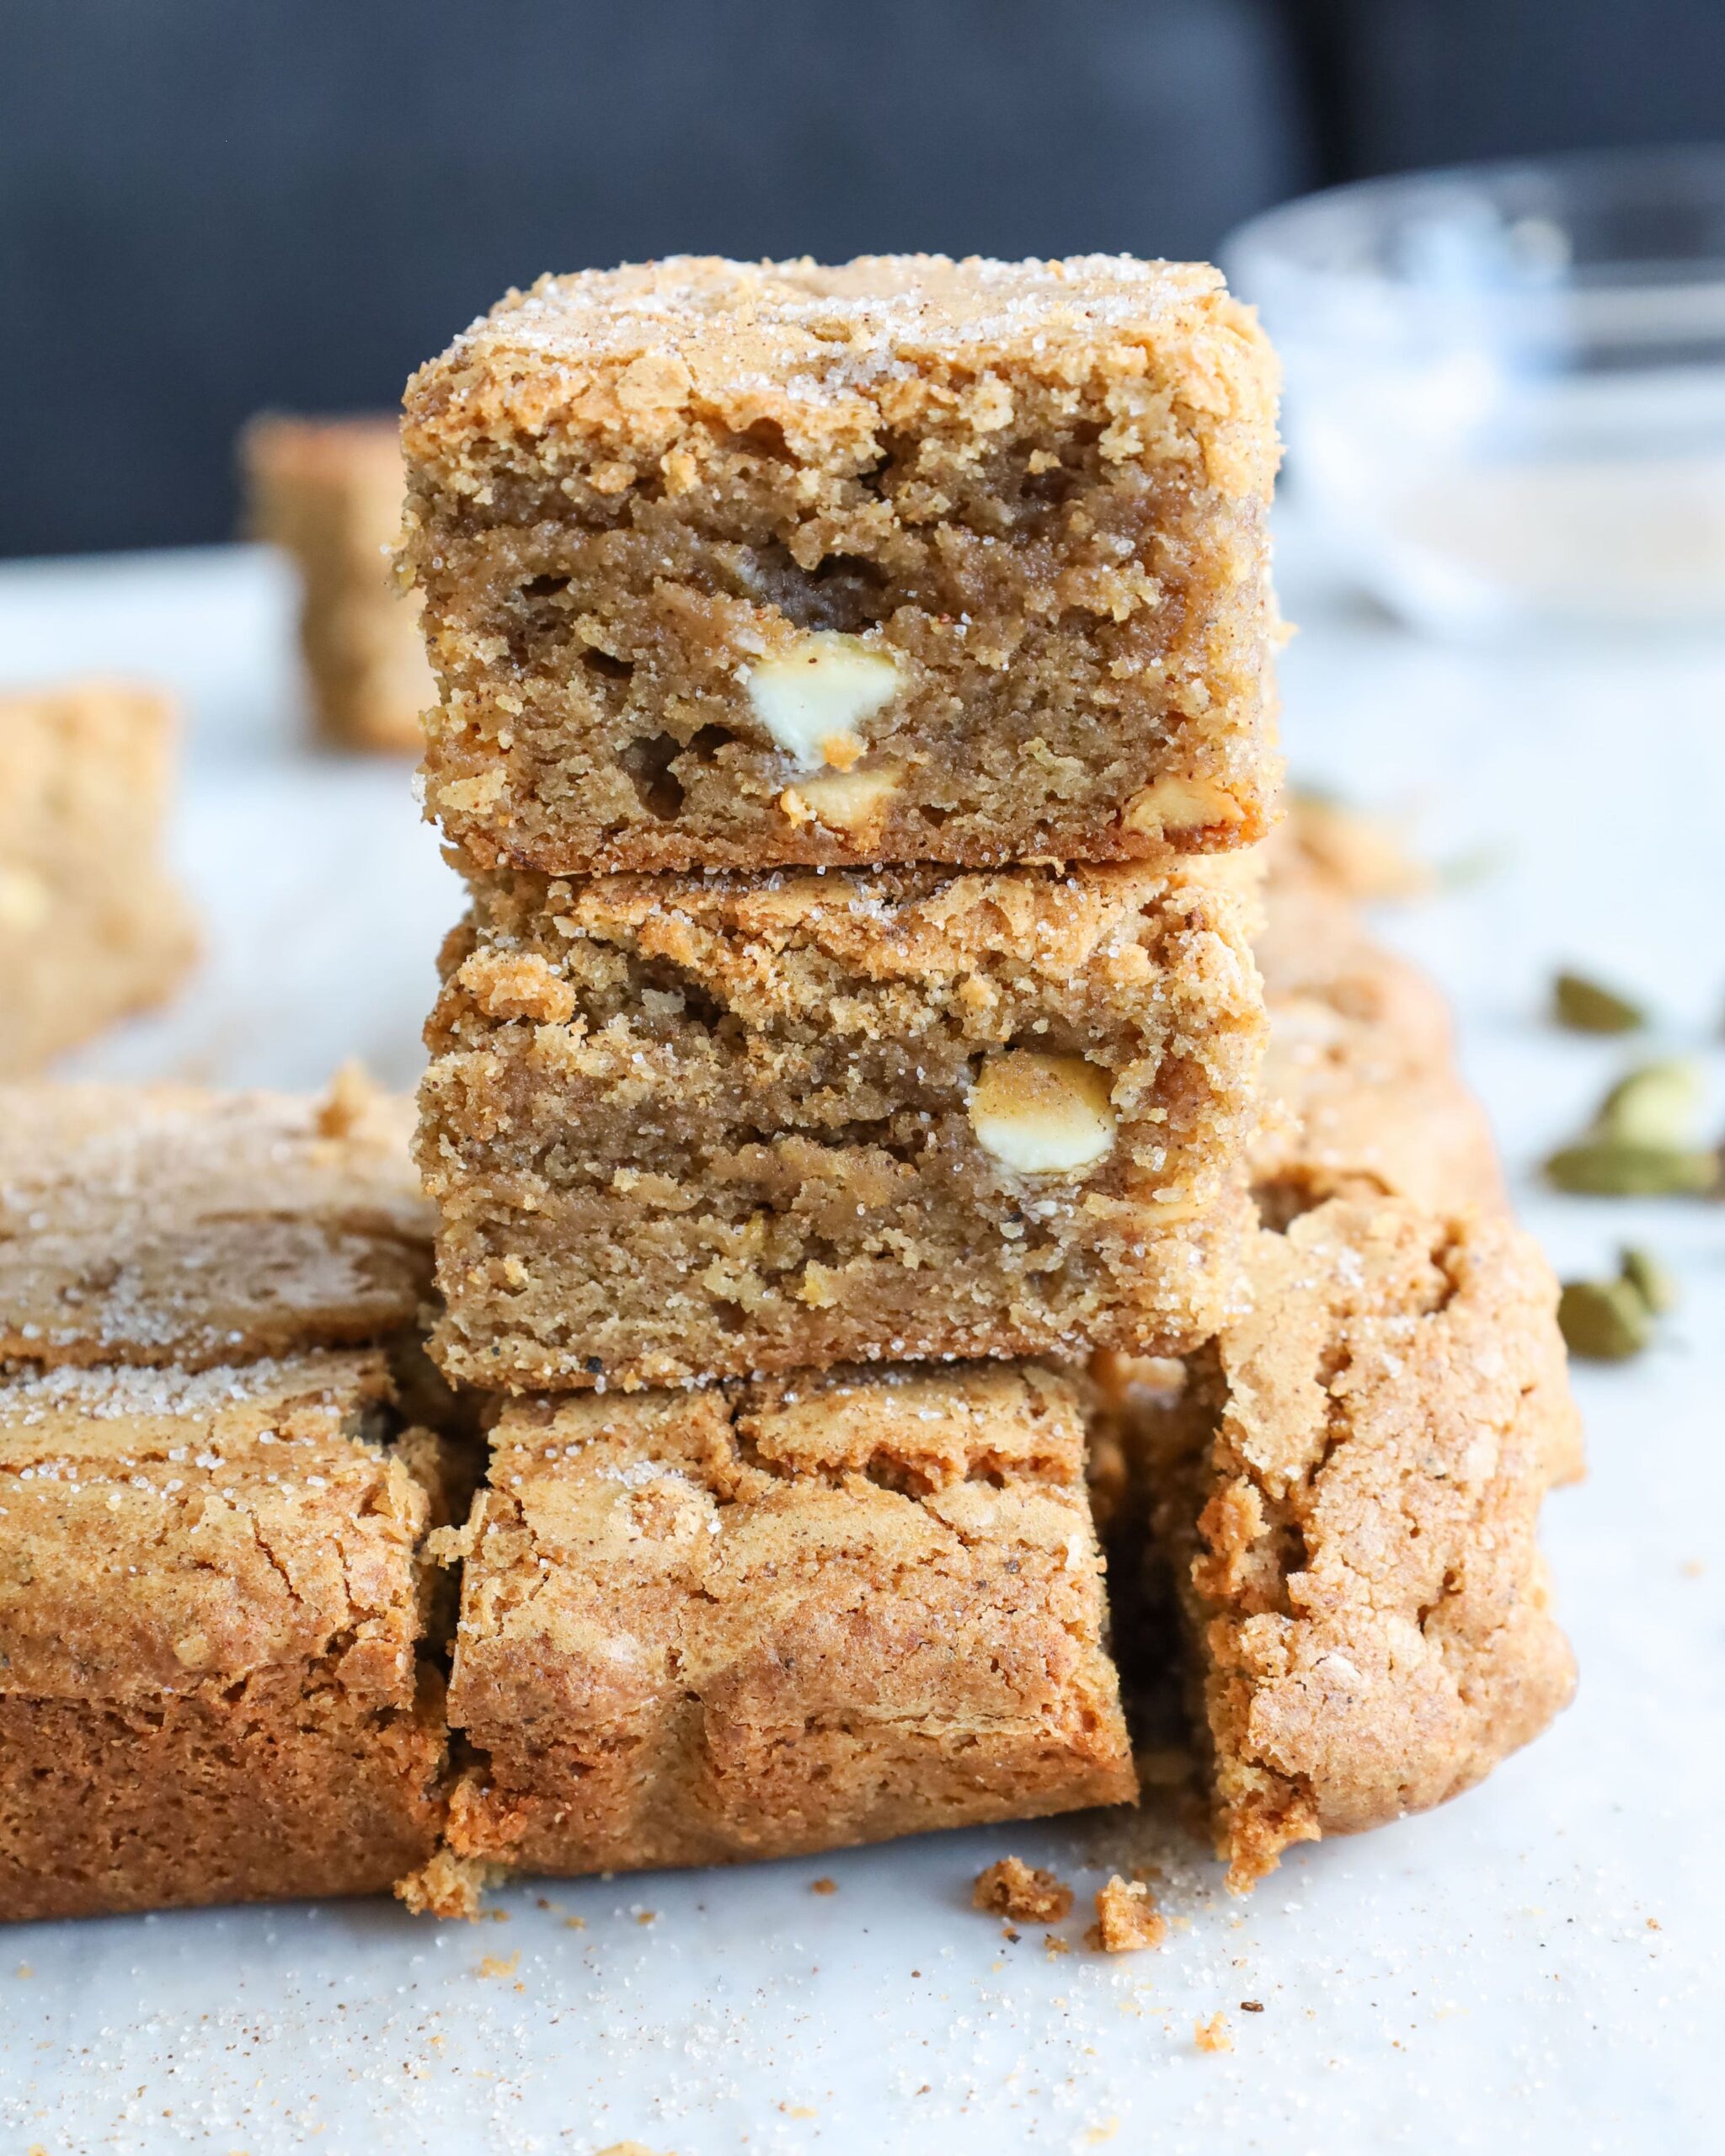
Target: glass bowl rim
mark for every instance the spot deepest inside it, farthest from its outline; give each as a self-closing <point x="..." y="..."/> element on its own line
<point x="1277" y="241"/>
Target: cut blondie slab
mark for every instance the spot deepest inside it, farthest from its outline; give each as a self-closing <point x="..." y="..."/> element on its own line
<point x="746" y="565"/>
<point x="215" y="1618"/>
<point x="681" y="1128"/>
<point x="93" y="926"/>
<point x="329" y="492"/>
<point x="1347" y="1489"/>
<point x="163" y="1224"/>
<point x="1361" y="1088"/>
<point x="765" y="1620"/>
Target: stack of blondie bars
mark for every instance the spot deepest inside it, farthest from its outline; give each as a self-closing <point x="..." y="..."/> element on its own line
<point x="856" y="730"/>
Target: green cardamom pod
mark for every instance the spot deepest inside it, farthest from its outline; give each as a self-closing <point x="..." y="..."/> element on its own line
<point x="1611" y="1167"/>
<point x="1659" y="1104"/>
<point x="1586" y="1006"/>
<point x="1652" y="1280"/>
<point x="1603" y="1321"/>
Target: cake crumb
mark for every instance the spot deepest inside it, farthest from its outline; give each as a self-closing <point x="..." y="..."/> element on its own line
<point x="1212" y="2036"/>
<point x="823" y="1885"/>
<point x="1126" y="1918"/>
<point x="348" y="1102"/>
<point x="500" y="1965"/>
<point x="447" y="1885"/>
<point x="1053" y="1945"/>
<point x="1013" y="1888"/>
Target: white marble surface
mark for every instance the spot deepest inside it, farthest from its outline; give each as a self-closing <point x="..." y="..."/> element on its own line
<point x="1537" y="1966"/>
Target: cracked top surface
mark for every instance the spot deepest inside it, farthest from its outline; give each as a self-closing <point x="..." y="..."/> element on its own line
<point x="162" y="1532"/>
<point x="630" y="356"/>
<point x="1381" y="1428"/>
<point x="662" y="1538"/>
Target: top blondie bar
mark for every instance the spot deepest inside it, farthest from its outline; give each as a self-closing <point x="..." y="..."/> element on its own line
<point x="759" y="565"/>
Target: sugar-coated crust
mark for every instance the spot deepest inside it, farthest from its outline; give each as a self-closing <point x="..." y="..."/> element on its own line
<point x="763" y="1620"/>
<point x="612" y="358"/>
<point x="771" y="1077"/>
<point x="214" y="1612"/>
<point x="1365" y="1454"/>
<point x="173" y="1529"/>
<point x="1040" y="488"/>
<point x="329" y="491"/>
<point x="93" y="926"/>
<point x="166" y="1225"/>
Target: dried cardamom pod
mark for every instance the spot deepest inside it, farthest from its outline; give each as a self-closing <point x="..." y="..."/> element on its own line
<point x="1659" y="1104"/>
<point x="1603" y="1320"/>
<point x="1613" y="1167"/>
<point x="1587" y="1006"/>
<point x="1652" y="1280"/>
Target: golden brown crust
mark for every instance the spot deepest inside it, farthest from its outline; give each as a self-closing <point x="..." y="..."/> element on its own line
<point x="166" y="1225"/>
<point x="1038" y="488"/>
<point x="214" y="1612"/>
<point x="329" y="492"/>
<point x="720" y="1624"/>
<point x="1352" y="1485"/>
<point x="93" y="926"/>
<point x="775" y="1082"/>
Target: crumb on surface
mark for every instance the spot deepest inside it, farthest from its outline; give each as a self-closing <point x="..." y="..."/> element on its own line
<point x="447" y="1885"/>
<point x="1013" y="1888"/>
<point x="1126" y="1918"/>
<point x="1212" y="2036"/>
<point x="823" y="1885"/>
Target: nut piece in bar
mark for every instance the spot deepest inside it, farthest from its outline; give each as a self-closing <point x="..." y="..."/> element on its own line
<point x="764" y="1619"/>
<point x="750" y="565"/>
<point x="1347" y="1493"/>
<point x="214" y="1610"/>
<point x="329" y="492"/>
<point x="92" y="927"/>
<point x="682" y="1128"/>
<point x="163" y="1224"/>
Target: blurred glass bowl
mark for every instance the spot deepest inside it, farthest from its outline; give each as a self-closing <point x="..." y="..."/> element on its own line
<point x="1506" y="385"/>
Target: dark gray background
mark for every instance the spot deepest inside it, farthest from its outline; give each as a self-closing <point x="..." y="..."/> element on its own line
<point x="207" y="206"/>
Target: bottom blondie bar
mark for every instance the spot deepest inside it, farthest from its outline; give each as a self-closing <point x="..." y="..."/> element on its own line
<point x="216" y="1682"/>
<point x="769" y="1619"/>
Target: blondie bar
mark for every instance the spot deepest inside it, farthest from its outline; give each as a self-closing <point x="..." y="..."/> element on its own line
<point x="1348" y="1488"/>
<point x="747" y="565"/>
<point x="161" y="1224"/>
<point x="681" y="1128"/>
<point x="764" y="1619"/>
<point x="329" y="492"/>
<point x="1361" y="1089"/>
<point x="215" y="1612"/>
<point x="93" y="926"/>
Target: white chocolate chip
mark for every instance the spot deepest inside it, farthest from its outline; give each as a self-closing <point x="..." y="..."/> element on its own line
<point x="1043" y="1114"/>
<point x="25" y="900"/>
<point x="811" y="695"/>
<point x="848" y="801"/>
<point x="1174" y="803"/>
